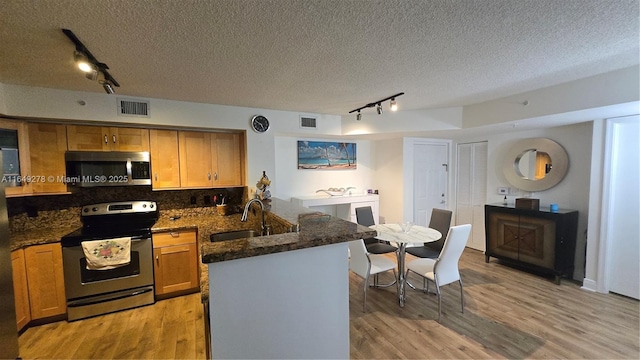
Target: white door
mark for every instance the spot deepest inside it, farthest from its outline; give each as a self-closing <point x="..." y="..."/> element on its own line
<point x="624" y="208"/>
<point x="430" y="165"/>
<point x="471" y="190"/>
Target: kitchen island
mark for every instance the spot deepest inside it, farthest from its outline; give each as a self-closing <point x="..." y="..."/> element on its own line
<point x="285" y="295"/>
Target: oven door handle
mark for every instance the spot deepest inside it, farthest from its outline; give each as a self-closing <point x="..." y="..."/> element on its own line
<point x="110" y="297"/>
<point x="140" y="237"/>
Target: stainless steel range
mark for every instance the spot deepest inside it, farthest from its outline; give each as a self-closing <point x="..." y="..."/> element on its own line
<point x="95" y="292"/>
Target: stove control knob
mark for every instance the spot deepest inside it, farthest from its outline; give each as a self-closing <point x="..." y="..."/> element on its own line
<point x="144" y="206"/>
<point x="95" y="209"/>
<point x="86" y="210"/>
<point x="151" y="206"/>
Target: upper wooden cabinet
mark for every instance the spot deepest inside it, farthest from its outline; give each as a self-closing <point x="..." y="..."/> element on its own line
<point x="98" y="138"/>
<point x="195" y="159"/>
<point x="227" y="156"/>
<point x="47" y="144"/>
<point x="15" y="156"/>
<point x="165" y="162"/>
<point x="211" y="159"/>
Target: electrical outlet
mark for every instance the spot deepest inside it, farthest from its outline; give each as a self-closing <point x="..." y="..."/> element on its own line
<point x="503" y="191"/>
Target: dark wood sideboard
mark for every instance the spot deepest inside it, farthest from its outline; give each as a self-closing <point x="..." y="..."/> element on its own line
<point x="538" y="240"/>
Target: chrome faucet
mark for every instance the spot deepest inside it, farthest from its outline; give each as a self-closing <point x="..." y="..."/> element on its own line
<point x="245" y="213"/>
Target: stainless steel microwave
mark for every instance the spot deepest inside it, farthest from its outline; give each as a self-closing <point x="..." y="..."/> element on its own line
<point x="111" y="168"/>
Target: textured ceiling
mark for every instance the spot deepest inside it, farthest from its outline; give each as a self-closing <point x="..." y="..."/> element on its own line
<point x="320" y="56"/>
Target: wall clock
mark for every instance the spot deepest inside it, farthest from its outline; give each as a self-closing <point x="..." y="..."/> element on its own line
<point x="259" y="124"/>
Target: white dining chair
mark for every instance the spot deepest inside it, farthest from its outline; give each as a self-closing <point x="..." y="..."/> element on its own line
<point x="365" y="265"/>
<point x="443" y="270"/>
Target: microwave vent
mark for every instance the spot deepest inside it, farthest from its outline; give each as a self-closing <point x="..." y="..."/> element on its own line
<point x="307" y="122"/>
<point x="133" y="108"/>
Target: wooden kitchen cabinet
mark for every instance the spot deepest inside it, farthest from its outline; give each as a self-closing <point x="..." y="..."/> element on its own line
<point x="15" y="151"/>
<point x="195" y="159"/>
<point x="227" y="159"/>
<point x="210" y="159"/>
<point x="100" y="138"/>
<point x="542" y="241"/>
<point x="47" y="145"/>
<point x="176" y="264"/>
<point x="20" y="288"/>
<point x="45" y="280"/>
<point x="165" y="161"/>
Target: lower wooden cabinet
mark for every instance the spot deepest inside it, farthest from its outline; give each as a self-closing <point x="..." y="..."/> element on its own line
<point x="176" y="262"/>
<point x="45" y="279"/>
<point x="20" y="288"/>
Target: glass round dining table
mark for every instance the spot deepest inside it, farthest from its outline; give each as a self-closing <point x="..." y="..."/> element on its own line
<point x="398" y="234"/>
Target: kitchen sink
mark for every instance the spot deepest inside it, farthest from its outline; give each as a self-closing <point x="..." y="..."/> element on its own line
<point x="232" y="235"/>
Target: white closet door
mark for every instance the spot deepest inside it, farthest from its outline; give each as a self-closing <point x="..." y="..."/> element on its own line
<point x="471" y="190"/>
<point x="624" y="210"/>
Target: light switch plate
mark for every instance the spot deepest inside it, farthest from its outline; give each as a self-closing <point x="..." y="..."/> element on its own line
<point x="503" y="191"/>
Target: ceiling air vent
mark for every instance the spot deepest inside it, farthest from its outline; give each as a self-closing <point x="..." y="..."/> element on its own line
<point x="133" y="108"/>
<point x="307" y="122"/>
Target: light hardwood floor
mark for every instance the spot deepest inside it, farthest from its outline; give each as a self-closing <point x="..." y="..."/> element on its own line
<point x="508" y="314"/>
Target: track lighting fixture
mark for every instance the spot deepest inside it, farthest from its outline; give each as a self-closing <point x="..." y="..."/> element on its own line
<point x="92" y="75"/>
<point x="90" y="65"/>
<point x="107" y="87"/>
<point x="82" y="62"/>
<point x="393" y="105"/>
<point x="378" y="105"/>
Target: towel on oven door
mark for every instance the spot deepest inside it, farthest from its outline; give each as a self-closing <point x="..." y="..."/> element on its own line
<point x="107" y="254"/>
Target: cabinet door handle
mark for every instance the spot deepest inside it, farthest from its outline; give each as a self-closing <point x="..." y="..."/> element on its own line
<point x="158" y="260"/>
<point x="208" y="176"/>
<point x="114" y="139"/>
<point x="156" y="176"/>
<point x="106" y="139"/>
<point x="215" y="176"/>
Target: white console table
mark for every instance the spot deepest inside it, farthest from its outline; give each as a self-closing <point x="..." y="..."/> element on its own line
<point x="343" y="207"/>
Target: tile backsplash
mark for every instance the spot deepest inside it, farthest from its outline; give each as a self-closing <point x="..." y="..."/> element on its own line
<point x="32" y="212"/>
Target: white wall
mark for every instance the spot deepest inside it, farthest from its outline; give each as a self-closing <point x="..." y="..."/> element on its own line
<point x="402" y="121"/>
<point x="571" y="193"/>
<point x="612" y="88"/>
<point x="388" y="178"/>
<point x="290" y="181"/>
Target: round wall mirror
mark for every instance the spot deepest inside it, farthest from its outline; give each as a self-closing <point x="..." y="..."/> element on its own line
<point x="535" y="164"/>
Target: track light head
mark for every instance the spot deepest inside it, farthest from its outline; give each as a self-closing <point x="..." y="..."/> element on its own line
<point x="108" y="88"/>
<point x="379" y="108"/>
<point x="92" y="75"/>
<point x="359" y="116"/>
<point x="83" y="62"/>
<point x="393" y="105"/>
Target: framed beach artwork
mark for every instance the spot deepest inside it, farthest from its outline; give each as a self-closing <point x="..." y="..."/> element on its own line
<point x="326" y="155"/>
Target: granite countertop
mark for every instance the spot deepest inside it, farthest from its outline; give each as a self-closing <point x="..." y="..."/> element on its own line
<point x="315" y="229"/>
<point x="40" y="236"/>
